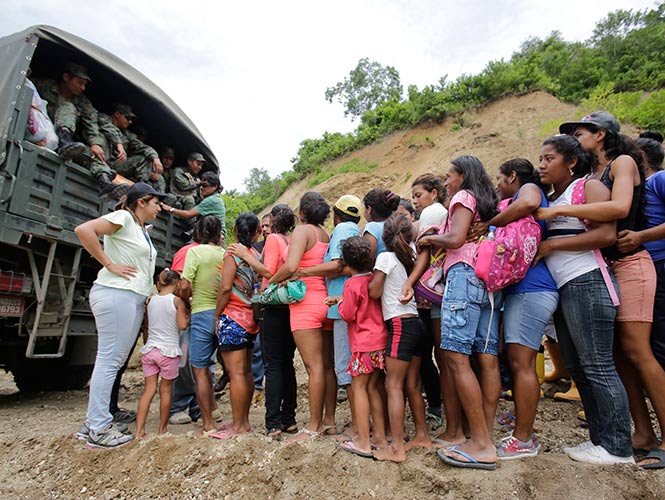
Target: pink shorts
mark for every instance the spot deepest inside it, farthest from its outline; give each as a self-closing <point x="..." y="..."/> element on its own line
<point x="636" y="277"/>
<point x="363" y="363"/>
<point x="154" y="362"/>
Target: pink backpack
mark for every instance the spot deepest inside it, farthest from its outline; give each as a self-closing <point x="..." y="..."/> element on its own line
<point x="506" y="260"/>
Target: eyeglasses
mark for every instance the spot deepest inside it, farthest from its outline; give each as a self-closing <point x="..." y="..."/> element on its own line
<point x="205" y="185"/>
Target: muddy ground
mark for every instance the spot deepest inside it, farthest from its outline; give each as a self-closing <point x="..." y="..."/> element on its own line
<point x="40" y="459"/>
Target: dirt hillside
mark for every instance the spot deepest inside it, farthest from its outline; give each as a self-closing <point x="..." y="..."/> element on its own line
<point x="514" y="126"/>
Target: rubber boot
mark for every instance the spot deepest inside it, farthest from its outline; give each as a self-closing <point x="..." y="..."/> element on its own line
<point x="107" y="189"/>
<point x="557" y="360"/>
<point x="540" y="368"/>
<point x="571" y="395"/>
<point x="68" y="149"/>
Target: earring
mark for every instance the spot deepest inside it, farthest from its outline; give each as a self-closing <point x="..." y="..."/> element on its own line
<point x="571" y="173"/>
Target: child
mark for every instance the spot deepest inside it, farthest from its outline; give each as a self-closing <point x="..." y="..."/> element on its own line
<point x="166" y="316"/>
<point x="367" y="339"/>
<point x="406" y="340"/>
<point x="236" y="327"/>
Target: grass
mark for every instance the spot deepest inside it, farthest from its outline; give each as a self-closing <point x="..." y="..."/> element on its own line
<point x="356" y="165"/>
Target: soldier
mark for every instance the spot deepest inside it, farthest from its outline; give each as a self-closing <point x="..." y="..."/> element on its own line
<point x="185" y="181"/>
<point x="141" y="160"/>
<point x="72" y="113"/>
<point x="161" y="182"/>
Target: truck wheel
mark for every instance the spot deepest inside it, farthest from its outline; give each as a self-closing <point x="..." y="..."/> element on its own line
<point x="50" y="375"/>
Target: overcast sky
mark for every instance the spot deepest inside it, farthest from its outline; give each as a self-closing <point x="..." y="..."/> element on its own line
<point x="252" y="75"/>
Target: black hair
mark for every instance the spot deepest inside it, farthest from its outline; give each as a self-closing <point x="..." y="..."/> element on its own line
<point x="571" y="150"/>
<point x="166" y="278"/>
<point x="382" y="202"/>
<point x="314" y="208"/>
<point x="357" y="253"/>
<point x="246" y="226"/>
<point x="213" y="179"/>
<point x="430" y="182"/>
<point x="524" y="170"/>
<point x="477" y="182"/>
<point x="616" y="145"/>
<point x="209" y="229"/>
<point x="652" y="151"/>
<point x="344" y="217"/>
<point x="283" y="219"/>
<point x="403" y="202"/>
<point x="398" y="235"/>
<point x="652" y="134"/>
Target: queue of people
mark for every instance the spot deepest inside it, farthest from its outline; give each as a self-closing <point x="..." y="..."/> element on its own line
<point x="365" y="324"/>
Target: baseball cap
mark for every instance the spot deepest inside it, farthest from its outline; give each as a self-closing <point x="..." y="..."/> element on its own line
<point x="140" y="190"/>
<point x="349" y="204"/>
<point x="77" y="70"/>
<point x="601" y="119"/>
<point x="168" y="152"/>
<point x="196" y="156"/>
<point x="124" y="109"/>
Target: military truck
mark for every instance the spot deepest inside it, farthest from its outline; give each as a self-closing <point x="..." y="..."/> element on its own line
<point x="47" y="331"/>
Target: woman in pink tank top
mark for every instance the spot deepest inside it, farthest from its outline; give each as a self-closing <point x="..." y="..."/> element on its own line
<point x="311" y="329"/>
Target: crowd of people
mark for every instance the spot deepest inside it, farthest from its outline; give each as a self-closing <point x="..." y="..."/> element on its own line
<point x="63" y="119"/>
<point x="595" y="288"/>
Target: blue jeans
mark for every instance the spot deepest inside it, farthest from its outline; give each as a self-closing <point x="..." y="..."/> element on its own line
<point x="342" y="351"/>
<point x="468" y="323"/>
<point x="258" y="370"/>
<point x="203" y="341"/>
<point x="585" y="329"/>
<point x="525" y="316"/>
<point x="183" y="392"/>
<point x="118" y="315"/>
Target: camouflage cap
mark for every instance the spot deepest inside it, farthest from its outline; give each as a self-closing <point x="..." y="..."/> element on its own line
<point x="124" y="109"/>
<point x="77" y="70"/>
<point x="196" y="156"/>
<point x="168" y="152"/>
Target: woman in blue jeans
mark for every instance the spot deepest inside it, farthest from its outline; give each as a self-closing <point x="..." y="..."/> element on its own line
<point x="117" y="299"/>
<point x="585" y="317"/>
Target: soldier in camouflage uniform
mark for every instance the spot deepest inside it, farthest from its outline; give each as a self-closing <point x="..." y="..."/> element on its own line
<point x="185" y="181"/>
<point x="161" y="182"/>
<point x="73" y="113"/>
<point x="141" y="161"/>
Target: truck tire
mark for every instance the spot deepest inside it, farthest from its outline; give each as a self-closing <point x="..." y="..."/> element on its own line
<point x="50" y="375"/>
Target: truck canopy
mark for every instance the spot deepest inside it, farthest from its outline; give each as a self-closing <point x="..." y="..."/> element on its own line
<point x="45" y="49"/>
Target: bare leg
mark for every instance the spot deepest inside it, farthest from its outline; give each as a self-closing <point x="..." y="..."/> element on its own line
<point x="377" y="407"/>
<point x="395" y="375"/>
<point x="310" y="346"/>
<point x="490" y="384"/>
<point x="330" y="403"/>
<point x="205" y="395"/>
<point x="526" y="389"/>
<point x="238" y="364"/>
<point x="165" y="387"/>
<point x="362" y="406"/>
<point x="149" y="392"/>
<point x="417" y="405"/>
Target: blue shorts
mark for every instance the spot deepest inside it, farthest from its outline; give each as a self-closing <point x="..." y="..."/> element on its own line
<point x="202" y="340"/>
<point x="468" y="323"/>
<point x="525" y="317"/>
<point x="232" y="336"/>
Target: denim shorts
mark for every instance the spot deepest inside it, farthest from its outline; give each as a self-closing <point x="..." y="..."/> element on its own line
<point x="468" y="323"/>
<point x="202" y="340"/>
<point x="232" y="336"/>
<point x="525" y="317"/>
<point x="342" y="351"/>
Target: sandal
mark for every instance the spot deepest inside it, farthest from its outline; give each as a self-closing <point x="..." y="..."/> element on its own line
<point x="329" y="430"/>
<point x="290" y="429"/>
<point x="274" y="432"/>
<point x="303" y="435"/>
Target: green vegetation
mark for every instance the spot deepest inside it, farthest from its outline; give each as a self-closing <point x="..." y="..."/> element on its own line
<point x="353" y="166"/>
<point x="620" y="68"/>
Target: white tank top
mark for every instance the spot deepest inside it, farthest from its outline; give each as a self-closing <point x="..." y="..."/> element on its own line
<point x="566" y="265"/>
<point x="163" y="330"/>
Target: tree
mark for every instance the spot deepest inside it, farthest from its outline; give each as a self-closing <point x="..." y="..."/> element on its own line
<point x="368" y="85"/>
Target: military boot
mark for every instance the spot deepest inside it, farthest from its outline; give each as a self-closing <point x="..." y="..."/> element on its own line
<point x="68" y="149"/>
<point x="109" y="190"/>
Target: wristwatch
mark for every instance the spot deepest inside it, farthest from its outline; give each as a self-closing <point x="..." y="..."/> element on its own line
<point x="171" y="210"/>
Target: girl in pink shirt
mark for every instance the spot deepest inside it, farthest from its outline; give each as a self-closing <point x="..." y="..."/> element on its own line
<point x="367" y="337"/>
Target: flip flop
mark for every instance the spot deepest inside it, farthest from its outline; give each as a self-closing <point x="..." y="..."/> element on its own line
<point x="442" y="443"/>
<point x="351" y="447"/>
<point x="222" y="434"/>
<point x="471" y="464"/>
<point x="658" y="454"/>
<point x="329" y="430"/>
<point x="302" y="435"/>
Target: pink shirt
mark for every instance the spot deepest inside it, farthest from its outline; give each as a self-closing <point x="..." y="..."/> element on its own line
<point x="273" y="252"/>
<point x="467" y="252"/>
<point x="178" y="264"/>
<point x="367" y="331"/>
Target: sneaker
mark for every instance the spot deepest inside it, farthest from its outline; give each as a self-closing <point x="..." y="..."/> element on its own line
<point x="108" y="438"/>
<point x="180" y="418"/>
<point x="124" y="416"/>
<point x="580" y="447"/>
<point x="513" y="448"/>
<point x="599" y="456"/>
<point x="83" y="433"/>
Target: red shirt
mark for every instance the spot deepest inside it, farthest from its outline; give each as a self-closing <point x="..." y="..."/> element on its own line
<point x="367" y="332"/>
<point x="178" y="264"/>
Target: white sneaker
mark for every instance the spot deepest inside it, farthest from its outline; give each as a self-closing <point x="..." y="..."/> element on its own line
<point x="580" y="447"/>
<point x="179" y="418"/>
<point x="599" y="456"/>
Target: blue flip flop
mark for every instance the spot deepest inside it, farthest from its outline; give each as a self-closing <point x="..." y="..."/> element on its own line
<point x="471" y="464"/>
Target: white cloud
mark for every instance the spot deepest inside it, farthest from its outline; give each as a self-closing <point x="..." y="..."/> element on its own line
<point x="252" y="75"/>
